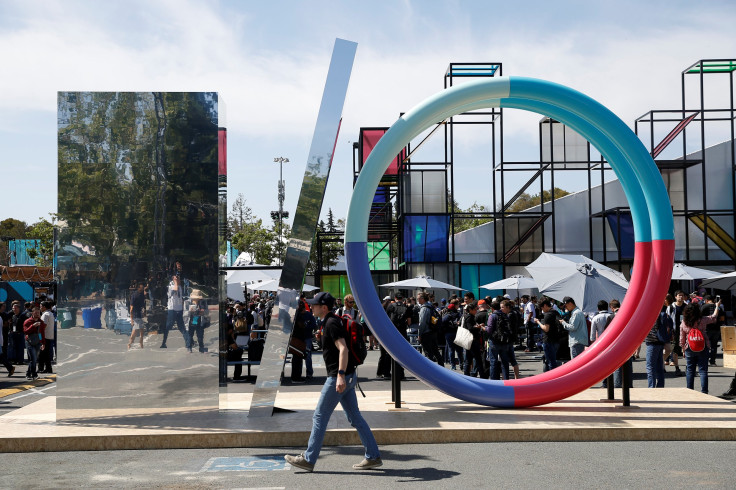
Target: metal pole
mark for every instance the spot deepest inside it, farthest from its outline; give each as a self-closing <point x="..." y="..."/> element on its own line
<point x="609" y="386"/>
<point x="626" y="378"/>
<point x="396" y="384"/>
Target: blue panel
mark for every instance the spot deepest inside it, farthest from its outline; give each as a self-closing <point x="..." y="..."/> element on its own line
<point x="19" y="251"/>
<point x="490" y="273"/>
<point x="425" y="238"/>
<point x="22" y="289"/>
<point x="625" y="241"/>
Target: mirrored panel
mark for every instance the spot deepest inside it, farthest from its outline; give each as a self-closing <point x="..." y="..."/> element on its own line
<point x="137" y="253"/>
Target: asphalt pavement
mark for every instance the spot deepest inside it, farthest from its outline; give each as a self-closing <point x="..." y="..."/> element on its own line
<point x="612" y="465"/>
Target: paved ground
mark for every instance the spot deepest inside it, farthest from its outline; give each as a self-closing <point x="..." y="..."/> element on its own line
<point x="517" y="465"/>
<point x="16" y="392"/>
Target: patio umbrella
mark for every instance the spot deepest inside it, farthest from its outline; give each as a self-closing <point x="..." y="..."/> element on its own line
<point x="682" y="272"/>
<point x="421" y="282"/>
<point x="586" y="281"/>
<point x="514" y="282"/>
<point x="723" y="281"/>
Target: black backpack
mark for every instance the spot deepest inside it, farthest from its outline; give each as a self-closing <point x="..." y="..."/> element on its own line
<point x="515" y="321"/>
<point x="398" y="316"/>
<point x="502" y="329"/>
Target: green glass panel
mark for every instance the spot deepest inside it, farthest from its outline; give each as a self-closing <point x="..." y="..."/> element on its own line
<point x="379" y="256"/>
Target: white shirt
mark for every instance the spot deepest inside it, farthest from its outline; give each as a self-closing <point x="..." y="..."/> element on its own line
<point x="598" y="324"/>
<point x="530" y="312"/>
<point x="175" y="301"/>
<point x="48" y="319"/>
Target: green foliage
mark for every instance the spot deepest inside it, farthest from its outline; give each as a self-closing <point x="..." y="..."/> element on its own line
<point x="255" y="240"/>
<point x="44" y="231"/>
<point x="10" y="229"/>
<point x="468" y="223"/>
<point x="526" y="201"/>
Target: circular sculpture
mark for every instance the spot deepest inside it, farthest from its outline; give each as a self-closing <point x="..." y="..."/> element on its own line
<point x="653" y="234"/>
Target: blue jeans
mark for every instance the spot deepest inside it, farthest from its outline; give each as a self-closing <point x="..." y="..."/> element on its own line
<point x="550" y="355"/>
<point x="451" y="349"/>
<point x="699" y="359"/>
<point x="176" y="316"/>
<point x="655" y="366"/>
<point x="33" y="352"/>
<point x="328" y="400"/>
<point x="499" y="354"/>
<point x="576" y="350"/>
<point x="308" y="358"/>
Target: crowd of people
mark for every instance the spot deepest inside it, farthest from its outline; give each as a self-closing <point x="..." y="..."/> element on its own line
<point x="560" y="331"/>
<point x="27" y="337"/>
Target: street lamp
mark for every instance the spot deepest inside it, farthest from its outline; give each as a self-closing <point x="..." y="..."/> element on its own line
<point x="282" y="194"/>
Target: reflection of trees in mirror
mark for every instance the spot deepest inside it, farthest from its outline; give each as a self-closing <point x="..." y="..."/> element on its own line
<point x="138" y="184"/>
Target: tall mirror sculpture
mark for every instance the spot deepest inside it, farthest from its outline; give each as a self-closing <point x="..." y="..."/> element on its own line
<point x="137" y="252"/>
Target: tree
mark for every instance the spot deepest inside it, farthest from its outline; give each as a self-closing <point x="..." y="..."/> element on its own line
<point x="255" y="240"/>
<point x="331" y="251"/>
<point x="526" y="201"/>
<point x="279" y="243"/>
<point x="10" y="229"/>
<point x="43" y="255"/>
<point x="468" y="223"/>
<point x="239" y="216"/>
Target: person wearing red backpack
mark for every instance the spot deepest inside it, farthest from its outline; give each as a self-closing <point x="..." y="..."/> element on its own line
<point x="696" y="345"/>
<point x="338" y="388"/>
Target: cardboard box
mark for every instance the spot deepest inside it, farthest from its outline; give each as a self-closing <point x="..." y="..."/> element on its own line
<point x="728" y="338"/>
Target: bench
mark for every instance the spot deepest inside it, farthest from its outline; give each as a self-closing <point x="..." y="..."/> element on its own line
<point x="244" y="363"/>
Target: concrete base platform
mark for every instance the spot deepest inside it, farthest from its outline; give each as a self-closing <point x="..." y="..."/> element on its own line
<point x="657" y="414"/>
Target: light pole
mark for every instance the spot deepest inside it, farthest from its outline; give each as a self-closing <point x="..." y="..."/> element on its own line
<point x="282" y="194"/>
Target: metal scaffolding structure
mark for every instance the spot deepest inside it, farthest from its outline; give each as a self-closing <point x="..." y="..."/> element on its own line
<point x="413" y="218"/>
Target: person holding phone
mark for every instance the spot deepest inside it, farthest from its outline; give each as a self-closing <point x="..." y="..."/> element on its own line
<point x="713" y="330"/>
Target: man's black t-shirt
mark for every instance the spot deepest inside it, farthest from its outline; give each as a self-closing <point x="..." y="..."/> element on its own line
<point x="552" y="319"/>
<point x="333" y="330"/>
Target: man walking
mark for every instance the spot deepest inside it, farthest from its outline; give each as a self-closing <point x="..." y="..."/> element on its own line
<point x="338" y="388"/>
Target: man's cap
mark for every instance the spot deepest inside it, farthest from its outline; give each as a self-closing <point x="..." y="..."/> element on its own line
<point x="323" y="298"/>
<point x="386" y="298"/>
<point x="567" y="299"/>
<point x="451" y="306"/>
<point x="481" y="302"/>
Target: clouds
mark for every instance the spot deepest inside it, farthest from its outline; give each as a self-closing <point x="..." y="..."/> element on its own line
<point x="268" y="61"/>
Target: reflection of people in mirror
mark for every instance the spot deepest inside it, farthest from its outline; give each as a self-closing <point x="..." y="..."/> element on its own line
<point x="175" y="310"/>
<point x="33" y="328"/>
<point x="199" y="318"/>
<point x="137" y="312"/>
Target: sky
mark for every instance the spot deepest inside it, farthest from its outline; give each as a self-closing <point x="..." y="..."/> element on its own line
<point x="268" y="61"/>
